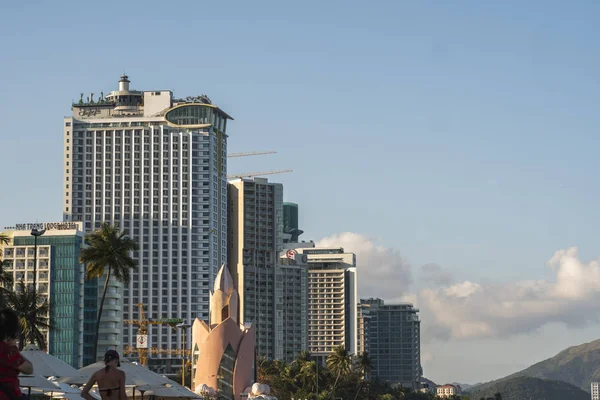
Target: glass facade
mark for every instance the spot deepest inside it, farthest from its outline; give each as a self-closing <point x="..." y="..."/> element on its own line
<point x="390" y="334"/>
<point x="66" y="275"/>
<point x="196" y="114"/>
<point x="90" y="314"/>
<point x="225" y="375"/>
<point x="290" y="222"/>
<point x="290" y="217"/>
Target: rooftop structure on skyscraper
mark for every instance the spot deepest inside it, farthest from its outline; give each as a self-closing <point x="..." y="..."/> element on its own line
<point x="291" y="232"/>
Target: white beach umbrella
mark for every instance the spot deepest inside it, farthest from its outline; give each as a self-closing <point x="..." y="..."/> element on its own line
<point x="47" y="365"/>
<point x="135" y="375"/>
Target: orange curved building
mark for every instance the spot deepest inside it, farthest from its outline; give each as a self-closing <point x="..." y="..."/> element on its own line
<point x="223" y="353"/>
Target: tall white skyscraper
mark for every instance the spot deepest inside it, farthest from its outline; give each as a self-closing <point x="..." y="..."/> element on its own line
<point x="156" y="166"/>
<point x="595" y="391"/>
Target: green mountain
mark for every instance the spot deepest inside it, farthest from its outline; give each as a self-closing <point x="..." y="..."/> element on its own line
<point x="527" y="388"/>
<point x="577" y="365"/>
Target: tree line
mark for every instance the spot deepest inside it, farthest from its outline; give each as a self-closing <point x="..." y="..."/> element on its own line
<point x="344" y="376"/>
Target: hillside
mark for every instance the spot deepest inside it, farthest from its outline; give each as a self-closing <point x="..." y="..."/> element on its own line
<point x="525" y="388"/>
<point x="577" y="365"/>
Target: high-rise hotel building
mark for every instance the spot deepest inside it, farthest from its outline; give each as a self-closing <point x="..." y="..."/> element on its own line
<point x="255" y="239"/>
<point x="332" y="298"/>
<point x="273" y="291"/>
<point x="156" y="166"/>
<point x="391" y="335"/>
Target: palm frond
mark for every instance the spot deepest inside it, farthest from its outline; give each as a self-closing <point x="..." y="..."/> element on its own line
<point x="32" y="310"/>
<point x="108" y="247"/>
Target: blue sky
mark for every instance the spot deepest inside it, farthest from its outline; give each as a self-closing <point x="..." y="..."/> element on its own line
<point x="458" y="133"/>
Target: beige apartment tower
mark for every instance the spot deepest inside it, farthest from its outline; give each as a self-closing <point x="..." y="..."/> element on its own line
<point x="332" y="298"/>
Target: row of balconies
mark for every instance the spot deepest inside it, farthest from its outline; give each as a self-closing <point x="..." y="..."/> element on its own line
<point x="41" y="277"/>
<point x="326" y="307"/>
<point x="21" y="252"/>
<point x="20" y="264"/>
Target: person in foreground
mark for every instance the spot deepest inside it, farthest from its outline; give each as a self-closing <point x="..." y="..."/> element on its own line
<point x="11" y="361"/>
<point x="110" y="379"/>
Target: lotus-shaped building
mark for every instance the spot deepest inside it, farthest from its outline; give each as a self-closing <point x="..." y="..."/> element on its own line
<point x="223" y="352"/>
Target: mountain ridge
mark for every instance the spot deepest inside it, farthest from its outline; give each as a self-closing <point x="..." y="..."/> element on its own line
<point x="525" y="387"/>
<point x="577" y="365"/>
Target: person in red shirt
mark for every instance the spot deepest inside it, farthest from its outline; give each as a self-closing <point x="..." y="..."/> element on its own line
<point x="11" y="361"/>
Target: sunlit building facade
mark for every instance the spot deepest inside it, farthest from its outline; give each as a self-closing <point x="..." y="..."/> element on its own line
<point x="332" y="299"/>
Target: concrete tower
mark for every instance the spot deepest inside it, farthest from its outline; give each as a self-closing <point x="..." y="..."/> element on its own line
<point x="156" y="166"/>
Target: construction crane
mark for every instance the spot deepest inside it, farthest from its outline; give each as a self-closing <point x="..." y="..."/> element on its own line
<point x="252" y="153"/>
<point x="186" y="354"/>
<point x="251" y="174"/>
<point x="143" y="328"/>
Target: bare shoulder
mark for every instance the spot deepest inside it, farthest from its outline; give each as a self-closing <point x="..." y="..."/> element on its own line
<point x="122" y="373"/>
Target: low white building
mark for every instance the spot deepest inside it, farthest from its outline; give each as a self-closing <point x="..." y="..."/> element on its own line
<point x="448" y="391"/>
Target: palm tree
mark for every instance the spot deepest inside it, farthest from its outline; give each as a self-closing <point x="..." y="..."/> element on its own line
<point x="303" y="357"/>
<point x="32" y="310"/>
<point x="339" y="363"/>
<point x="309" y="375"/>
<point x="6" y="278"/>
<point x="107" y="253"/>
<point x="364" y="365"/>
<point x="6" y="283"/>
<point x="4" y="239"/>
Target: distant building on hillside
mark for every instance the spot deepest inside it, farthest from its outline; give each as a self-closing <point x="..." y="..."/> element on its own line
<point x="448" y="391"/>
<point x="595" y="391"/>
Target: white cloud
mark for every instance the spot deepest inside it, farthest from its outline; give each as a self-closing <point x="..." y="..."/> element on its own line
<point x="381" y="270"/>
<point x="469" y="310"/>
<point x="463" y="289"/>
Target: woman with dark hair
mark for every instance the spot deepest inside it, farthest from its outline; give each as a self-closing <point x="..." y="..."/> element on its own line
<point x="11" y="361"/>
<point x="110" y="379"/>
